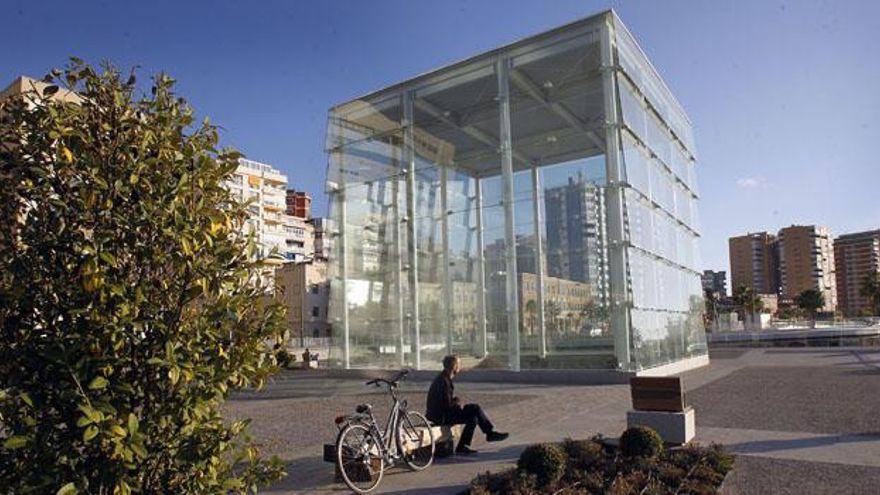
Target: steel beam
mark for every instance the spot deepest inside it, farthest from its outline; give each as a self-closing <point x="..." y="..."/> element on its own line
<point x="411" y="228"/>
<point x="447" y="276"/>
<point x="512" y="296"/>
<point x="532" y="89"/>
<point x="483" y="350"/>
<point x="539" y="260"/>
<point x="617" y="239"/>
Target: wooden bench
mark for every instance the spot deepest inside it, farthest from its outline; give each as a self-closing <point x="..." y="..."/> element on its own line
<point x="659" y="403"/>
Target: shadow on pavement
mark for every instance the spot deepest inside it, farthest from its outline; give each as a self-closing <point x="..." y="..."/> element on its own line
<point x="310" y="474"/>
<point x="767" y="446"/>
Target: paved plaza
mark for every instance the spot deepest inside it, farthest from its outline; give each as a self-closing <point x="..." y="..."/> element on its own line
<point x="802" y="421"/>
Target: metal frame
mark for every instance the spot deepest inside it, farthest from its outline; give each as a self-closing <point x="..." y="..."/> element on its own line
<point x="512" y="157"/>
<point x="511" y="289"/>
<point x="412" y="237"/>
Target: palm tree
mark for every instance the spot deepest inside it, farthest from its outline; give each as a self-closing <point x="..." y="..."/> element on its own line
<point x="871" y="290"/>
<point x="748" y="301"/>
<point x="810" y="301"/>
<point x="711" y="312"/>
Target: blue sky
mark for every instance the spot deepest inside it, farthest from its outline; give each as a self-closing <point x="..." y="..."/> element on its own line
<point x="784" y="96"/>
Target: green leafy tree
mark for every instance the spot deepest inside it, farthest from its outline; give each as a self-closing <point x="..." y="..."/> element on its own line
<point x="810" y="301"/>
<point x="748" y="301"/>
<point x="871" y="289"/>
<point x="130" y="303"/>
<point x="710" y="313"/>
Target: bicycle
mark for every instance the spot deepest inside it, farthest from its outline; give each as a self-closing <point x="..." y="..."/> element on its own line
<point x="364" y="452"/>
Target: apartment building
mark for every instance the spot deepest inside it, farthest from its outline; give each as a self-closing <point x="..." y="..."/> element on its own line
<point x="806" y="261"/>
<point x="305" y="290"/>
<point x="23" y="85"/>
<point x="754" y="262"/>
<point x="323" y="237"/>
<point x="280" y="237"/>
<point x="299" y="204"/>
<point x="715" y="282"/>
<point x="856" y="256"/>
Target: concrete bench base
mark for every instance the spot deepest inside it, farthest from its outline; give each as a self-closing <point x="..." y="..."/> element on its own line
<point x="677" y="428"/>
<point x="445" y="438"/>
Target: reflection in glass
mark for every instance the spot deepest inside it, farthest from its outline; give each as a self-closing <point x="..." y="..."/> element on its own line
<point x="589" y="261"/>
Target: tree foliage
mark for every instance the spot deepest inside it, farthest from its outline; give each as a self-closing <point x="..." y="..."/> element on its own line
<point x="811" y="300"/>
<point x="871" y="289"/>
<point x="130" y="306"/>
<point x="747" y="300"/>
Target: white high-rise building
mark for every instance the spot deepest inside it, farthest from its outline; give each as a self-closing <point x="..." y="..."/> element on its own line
<point x="280" y="237"/>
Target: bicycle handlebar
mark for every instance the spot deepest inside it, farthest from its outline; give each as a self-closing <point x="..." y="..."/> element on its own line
<point x="390" y="383"/>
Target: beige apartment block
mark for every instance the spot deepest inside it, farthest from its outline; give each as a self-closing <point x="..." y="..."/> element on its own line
<point x="754" y="262"/>
<point x="305" y="291"/>
<point x="806" y="261"/>
<point x="856" y="256"/>
<point x="24" y="85"/>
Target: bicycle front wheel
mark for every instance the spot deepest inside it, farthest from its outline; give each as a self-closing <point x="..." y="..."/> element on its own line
<point x="359" y="458"/>
<point x="415" y="441"/>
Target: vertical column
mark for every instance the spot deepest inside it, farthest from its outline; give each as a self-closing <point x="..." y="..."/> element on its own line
<point x="483" y="350"/>
<point x="447" y="276"/>
<point x="539" y="260"/>
<point x="409" y="157"/>
<point x="399" y="254"/>
<point x="617" y="243"/>
<point x="503" y="72"/>
<point x="343" y="258"/>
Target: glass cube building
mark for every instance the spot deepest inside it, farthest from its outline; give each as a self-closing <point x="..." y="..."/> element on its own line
<point x="532" y="207"/>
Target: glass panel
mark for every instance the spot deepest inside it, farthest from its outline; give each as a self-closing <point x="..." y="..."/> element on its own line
<point x="640" y="217"/>
<point x="637" y="165"/>
<point x="456" y="127"/>
<point x="464" y="263"/>
<point x="661" y="187"/>
<point x="633" y="110"/>
<point x="496" y="271"/>
<point x="557" y="119"/>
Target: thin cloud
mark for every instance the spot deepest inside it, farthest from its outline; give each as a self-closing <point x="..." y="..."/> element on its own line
<point x="751" y="183"/>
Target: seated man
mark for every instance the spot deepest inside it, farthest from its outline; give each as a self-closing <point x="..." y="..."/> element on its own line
<point x="446" y="409"/>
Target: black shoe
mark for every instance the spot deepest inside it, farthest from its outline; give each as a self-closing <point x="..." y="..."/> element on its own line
<point x="464" y="450"/>
<point x="495" y="436"/>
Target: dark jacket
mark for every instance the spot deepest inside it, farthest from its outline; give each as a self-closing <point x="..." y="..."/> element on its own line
<point x="440" y="399"/>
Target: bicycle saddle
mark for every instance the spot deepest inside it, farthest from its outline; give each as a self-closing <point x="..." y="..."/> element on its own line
<point x="363" y="408"/>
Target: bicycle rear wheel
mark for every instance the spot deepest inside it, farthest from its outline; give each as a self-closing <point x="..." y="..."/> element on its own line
<point x="359" y="458"/>
<point x="415" y="441"/>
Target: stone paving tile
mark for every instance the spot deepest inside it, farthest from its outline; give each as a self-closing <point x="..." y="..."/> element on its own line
<point x="285" y="427"/>
<point x="779" y="461"/>
<point x="765" y="476"/>
<point x="808" y="399"/>
<point x="860" y="449"/>
<point x="725" y="353"/>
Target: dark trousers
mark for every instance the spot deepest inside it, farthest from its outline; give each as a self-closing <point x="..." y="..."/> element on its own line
<point x="470" y="416"/>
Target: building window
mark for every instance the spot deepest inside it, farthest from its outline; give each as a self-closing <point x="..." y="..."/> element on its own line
<point x="315" y="288"/>
<point x="316" y="311"/>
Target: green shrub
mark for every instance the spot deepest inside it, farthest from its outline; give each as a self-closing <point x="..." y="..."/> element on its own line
<point x="641" y="441"/>
<point x="592" y="467"/>
<point x="583" y="454"/>
<point x="129" y="306"/>
<point x="546" y="461"/>
<point x="718" y="459"/>
<point x="509" y="482"/>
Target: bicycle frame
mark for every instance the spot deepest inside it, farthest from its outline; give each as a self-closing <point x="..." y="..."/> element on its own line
<point x="386" y="436"/>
